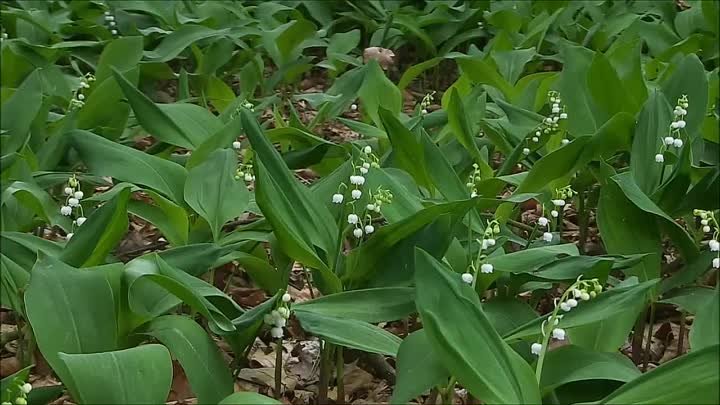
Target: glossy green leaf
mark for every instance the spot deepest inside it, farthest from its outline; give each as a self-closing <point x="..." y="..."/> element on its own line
<point x="418" y="368"/>
<point x="370" y="305"/>
<point x="106" y="158"/>
<point x="475" y="354"/>
<point x="349" y="333"/>
<point x="705" y="329"/>
<point x="376" y="92"/>
<point x="72" y="311"/>
<point x="213" y="192"/>
<point x="301" y="223"/>
<point x="653" y="125"/>
<point x="591" y="365"/>
<point x="139" y="375"/>
<point x="197" y="353"/>
<point x="19" y="111"/>
<point x="691" y="379"/>
<point x="102" y="231"/>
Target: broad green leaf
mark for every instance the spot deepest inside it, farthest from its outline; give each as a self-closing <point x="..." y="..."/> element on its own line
<point x="204" y="366"/>
<point x="689" y="79"/>
<point x="213" y="192"/>
<point x="349" y="333"/>
<point x="691" y="299"/>
<point x="13" y="280"/>
<point x="178" y="40"/>
<point x="139" y="375"/>
<point x="376" y="92"/>
<point x="153" y="119"/>
<point x="606" y="89"/>
<point x="371" y="305"/>
<point x="407" y="148"/>
<point x="72" y="311"/>
<point x="301" y="223"/>
<point x="18" y="113"/>
<point x="511" y="64"/>
<point x="653" y="125"/>
<point x="107" y="158"/>
<point x="219" y="140"/>
<point x="38" y="200"/>
<point x="705" y="330"/>
<point x="418" y="368"/>
<point x="102" y="231"/>
<point x="591" y="365"/>
<point x="619" y="220"/>
<point x="690" y="379"/>
<point x="154" y="287"/>
<point x="480" y="72"/>
<point x="529" y="260"/>
<point x="416" y="70"/>
<point x="475" y="353"/>
<point x="122" y="54"/>
<point x="575" y="93"/>
<point x="170" y="218"/>
<point x="607" y="304"/>
<point x="458" y="120"/>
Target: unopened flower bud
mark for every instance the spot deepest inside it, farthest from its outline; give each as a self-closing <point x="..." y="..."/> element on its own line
<point x="286" y="297"/>
<point x="572" y="302"/>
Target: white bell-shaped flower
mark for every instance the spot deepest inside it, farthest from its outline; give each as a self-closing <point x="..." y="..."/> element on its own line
<point x="565" y="307"/>
<point x="356" y="194"/>
<point x="352" y="219"/>
<point x="276" y="333"/>
<point x="678" y="143"/>
<point x="337" y="198"/>
<point x="358" y="233"/>
<point x="542" y="221"/>
<point x="706" y="228"/>
<point x="536" y="348"/>
<point x="369" y="229"/>
<point x="366" y="165"/>
<point x="563" y="116"/>
<point x="558" y="202"/>
<point x="535" y="139"/>
<point x="79" y="195"/>
<point x="714" y="245"/>
<point x="681" y="124"/>
<point x="248" y="177"/>
<point x="572" y="302"/>
<point x="363" y="170"/>
<point x="526" y="151"/>
<point x="659" y="158"/>
<point x="716" y="263"/>
<point x="284" y="312"/>
<point x="370" y="207"/>
<point x="486" y="268"/>
<point x="467" y="278"/>
<point x="65" y="210"/>
<point x="286" y="297"/>
<point x="565" y="141"/>
<point x="367" y="149"/>
<point x="555" y="110"/>
<point x="80" y="221"/>
<point x="554" y="213"/>
<point x="68" y="191"/>
<point x="669" y="140"/>
<point x="280" y="322"/>
<point x="237" y="145"/>
<point x="547" y="237"/>
<point x="69" y="236"/>
<point x="353" y="107"/>
<point x="558" y="334"/>
<point x="584" y="296"/>
<point x="357" y="180"/>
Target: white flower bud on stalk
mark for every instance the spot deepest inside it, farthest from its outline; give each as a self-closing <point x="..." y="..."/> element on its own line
<point x="467" y="278"/>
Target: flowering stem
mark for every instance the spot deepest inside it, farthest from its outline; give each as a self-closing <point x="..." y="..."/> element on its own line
<point x="681" y="332"/>
<point x="547" y="333"/>
<point x="560" y="223"/>
<point x="339" y="370"/>
<point x="325" y="365"/>
<point x="582" y="219"/>
<point x="278" y="368"/>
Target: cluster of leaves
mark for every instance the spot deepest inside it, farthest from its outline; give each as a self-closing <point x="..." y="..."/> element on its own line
<point x="109" y="329"/>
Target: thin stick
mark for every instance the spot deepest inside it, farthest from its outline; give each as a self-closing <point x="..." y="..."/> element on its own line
<point x="278" y="369"/>
<point x="340" y="370"/>
<point x="309" y="282"/>
<point x="681" y="338"/>
<point x="325" y="369"/>
<point x="531" y="236"/>
<point x="646" y="354"/>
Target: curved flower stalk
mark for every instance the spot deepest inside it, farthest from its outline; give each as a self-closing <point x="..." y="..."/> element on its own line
<point x="492" y="230"/>
<point x="362" y="218"/>
<point x="549" y="125"/>
<point x="73" y="196"/>
<point x="674" y="136"/>
<point x="18" y="390"/>
<point x="426" y="102"/>
<point x="78" y="99"/>
<point x="580" y="290"/>
<point x="709" y="225"/>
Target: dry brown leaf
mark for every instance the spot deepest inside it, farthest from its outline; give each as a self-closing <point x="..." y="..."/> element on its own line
<point x="385" y="57"/>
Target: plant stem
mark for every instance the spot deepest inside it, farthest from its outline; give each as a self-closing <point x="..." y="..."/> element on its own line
<point x="531" y="236"/>
<point x="638" y="338"/>
<point x="648" y="343"/>
<point x="582" y="220"/>
<point x="339" y="370"/>
<point x="309" y="282"/>
<point x="325" y="369"/>
<point x="432" y="398"/>
<point x="278" y="369"/>
<point x="681" y="332"/>
<point x="560" y="222"/>
<point x="547" y="333"/>
<point x="447" y="394"/>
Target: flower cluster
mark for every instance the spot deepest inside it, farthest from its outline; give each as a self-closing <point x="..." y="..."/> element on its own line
<point x="674" y="137"/>
<point x="709" y="224"/>
<point x="375" y="200"/>
<point x="244" y="170"/>
<point x="17" y="389"/>
<point x="474" y="178"/>
<point x="558" y="201"/>
<point x="110" y="21"/>
<point x="492" y="230"/>
<point x="426" y="102"/>
<point x="73" y="195"/>
<point x="277" y="319"/>
<point x="550" y="124"/>
<point x="581" y="290"/>
<point x="78" y="99"/>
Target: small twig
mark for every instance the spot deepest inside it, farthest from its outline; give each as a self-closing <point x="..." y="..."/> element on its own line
<point x="681" y="332"/>
<point x="646" y="354"/>
<point x="152" y="246"/>
<point x="278" y="369"/>
<point x="340" y="370"/>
